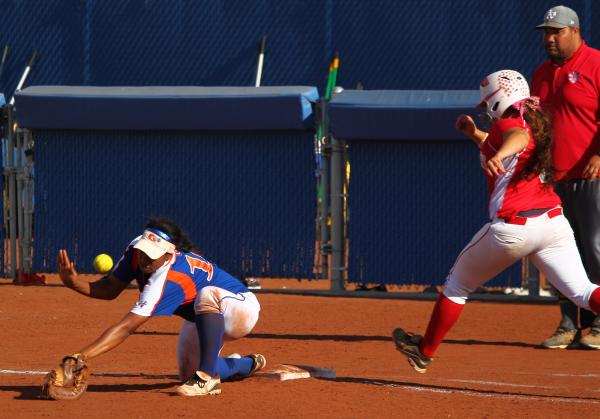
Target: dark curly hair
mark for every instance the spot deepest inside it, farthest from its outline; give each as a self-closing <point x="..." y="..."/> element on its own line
<point x="540" y="162"/>
<point x="180" y="239"/>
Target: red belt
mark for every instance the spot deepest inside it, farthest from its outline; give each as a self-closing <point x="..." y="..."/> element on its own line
<point x="554" y="212"/>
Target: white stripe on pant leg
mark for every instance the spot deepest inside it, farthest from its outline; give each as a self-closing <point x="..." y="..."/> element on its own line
<point x="483" y="258"/>
<point x="476" y="238"/>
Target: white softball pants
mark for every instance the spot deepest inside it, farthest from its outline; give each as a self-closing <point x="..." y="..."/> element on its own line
<point x="550" y="244"/>
<point x="240" y="312"/>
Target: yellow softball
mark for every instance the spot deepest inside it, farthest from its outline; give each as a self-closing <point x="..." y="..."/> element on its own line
<point x="103" y="263"/>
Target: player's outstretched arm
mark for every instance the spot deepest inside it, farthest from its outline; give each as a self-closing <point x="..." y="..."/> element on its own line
<point x="466" y="125"/>
<point x="114" y="335"/>
<point x="106" y="288"/>
<point x="514" y="141"/>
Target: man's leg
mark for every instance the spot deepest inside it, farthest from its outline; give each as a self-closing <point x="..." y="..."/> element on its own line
<point x="588" y="216"/>
<point x="567" y="333"/>
<point x="587" y="318"/>
<point x="592" y="339"/>
<point x="559" y="259"/>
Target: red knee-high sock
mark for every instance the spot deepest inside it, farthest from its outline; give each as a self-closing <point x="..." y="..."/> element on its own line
<point x="595" y="301"/>
<point x="445" y="314"/>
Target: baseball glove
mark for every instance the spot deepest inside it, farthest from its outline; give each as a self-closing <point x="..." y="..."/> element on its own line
<point x="68" y="381"/>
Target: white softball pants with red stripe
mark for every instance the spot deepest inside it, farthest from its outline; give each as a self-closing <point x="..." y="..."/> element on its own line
<point x="240" y="312"/>
<point x="550" y="244"/>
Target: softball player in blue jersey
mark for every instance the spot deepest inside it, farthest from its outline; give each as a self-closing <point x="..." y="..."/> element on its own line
<point x="172" y="279"/>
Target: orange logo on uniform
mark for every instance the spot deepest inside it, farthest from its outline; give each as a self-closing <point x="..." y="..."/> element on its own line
<point x="200" y="264"/>
<point x="153" y="237"/>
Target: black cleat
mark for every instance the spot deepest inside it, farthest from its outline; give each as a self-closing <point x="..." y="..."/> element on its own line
<point x="408" y="344"/>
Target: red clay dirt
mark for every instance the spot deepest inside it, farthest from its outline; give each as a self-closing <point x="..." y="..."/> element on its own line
<point x="489" y="365"/>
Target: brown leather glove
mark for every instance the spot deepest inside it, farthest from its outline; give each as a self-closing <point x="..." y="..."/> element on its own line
<point x="68" y="381"/>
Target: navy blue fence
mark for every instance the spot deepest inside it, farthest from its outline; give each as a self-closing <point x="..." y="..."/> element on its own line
<point x="387" y="44"/>
<point x="244" y="200"/>
<point x="413" y="206"/>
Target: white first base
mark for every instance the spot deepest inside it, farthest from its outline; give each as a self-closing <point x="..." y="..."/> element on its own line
<point x="284" y="372"/>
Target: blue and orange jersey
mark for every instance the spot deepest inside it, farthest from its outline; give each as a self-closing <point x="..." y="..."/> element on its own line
<point x="174" y="285"/>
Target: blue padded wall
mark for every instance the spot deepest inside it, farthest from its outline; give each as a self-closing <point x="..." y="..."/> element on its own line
<point x="246" y="201"/>
<point x="413" y="206"/>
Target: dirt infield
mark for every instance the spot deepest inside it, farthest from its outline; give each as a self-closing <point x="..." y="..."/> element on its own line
<point x="489" y="365"/>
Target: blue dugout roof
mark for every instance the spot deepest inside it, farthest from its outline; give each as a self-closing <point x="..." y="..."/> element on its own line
<point x="400" y="114"/>
<point x="166" y="107"/>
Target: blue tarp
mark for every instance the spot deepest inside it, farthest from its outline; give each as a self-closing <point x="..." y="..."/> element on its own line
<point x="400" y="114"/>
<point x="166" y="107"/>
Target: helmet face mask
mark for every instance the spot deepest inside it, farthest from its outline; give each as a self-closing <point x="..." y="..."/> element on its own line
<point x="502" y="89"/>
<point x="485" y="120"/>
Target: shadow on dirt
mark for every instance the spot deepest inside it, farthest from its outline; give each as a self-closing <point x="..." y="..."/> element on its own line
<point x="464" y="390"/>
<point x="361" y="338"/>
<point x="30" y="392"/>
<point x="358" y="338"/>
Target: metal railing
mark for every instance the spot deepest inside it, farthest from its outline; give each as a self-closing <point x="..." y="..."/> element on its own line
<point x="17" y="162"/>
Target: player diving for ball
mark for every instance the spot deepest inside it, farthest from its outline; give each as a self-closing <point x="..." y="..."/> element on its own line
<point x="172" y="279"/>
<point x="525" y="214"/>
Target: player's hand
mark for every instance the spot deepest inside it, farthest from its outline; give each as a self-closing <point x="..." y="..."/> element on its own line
<point x="466" y="125"/>
<point x="66" y="268"/>
<point x="592" y="169"/>
<point x="494" y="166"/>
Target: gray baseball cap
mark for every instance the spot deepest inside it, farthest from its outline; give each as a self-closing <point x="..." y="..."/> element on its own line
<point x="560" y="17"/>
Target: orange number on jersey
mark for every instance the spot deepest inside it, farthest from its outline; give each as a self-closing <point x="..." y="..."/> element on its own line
<point x="200" y="264"/>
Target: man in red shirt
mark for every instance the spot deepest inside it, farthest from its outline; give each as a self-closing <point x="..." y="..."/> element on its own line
<point x="568" y="84"/>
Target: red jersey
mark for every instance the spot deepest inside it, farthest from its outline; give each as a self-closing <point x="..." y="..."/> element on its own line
<point x="509" y="195"/>
<point x="570" y="94"/>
